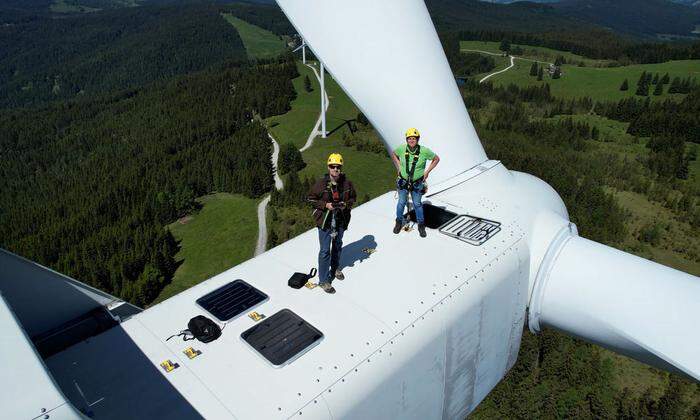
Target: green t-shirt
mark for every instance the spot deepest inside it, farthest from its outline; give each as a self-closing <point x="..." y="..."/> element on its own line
<point x="425" y="155"/>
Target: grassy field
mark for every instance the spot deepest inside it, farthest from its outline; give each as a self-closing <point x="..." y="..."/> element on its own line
<point x="536" y="53"/>
<point x="259" y="43"/>
<point x="600" y="83"/>
<point x="501" y="63"/>
<point x="371" y="173"/>
<point x="295" y="125"/>
<point x="364" y="168"/>
<point x="221" y="235"/>
<point x="678" y="242"/>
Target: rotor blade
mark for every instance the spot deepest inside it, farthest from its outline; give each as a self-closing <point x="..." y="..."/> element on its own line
<point x="629" y="304"/>
<point x="387" y="57"/>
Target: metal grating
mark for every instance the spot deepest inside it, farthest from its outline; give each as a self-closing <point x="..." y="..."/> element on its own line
<point x="472" y="230"/>
<point x="231" y="300"/>
<point x="282" y="337"/>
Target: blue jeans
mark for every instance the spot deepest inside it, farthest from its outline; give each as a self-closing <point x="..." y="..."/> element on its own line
<point x="329" y="254"/>
<point x="416" y="196"/>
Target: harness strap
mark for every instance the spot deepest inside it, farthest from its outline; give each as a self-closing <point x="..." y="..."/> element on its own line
<point x="409" y="172"/>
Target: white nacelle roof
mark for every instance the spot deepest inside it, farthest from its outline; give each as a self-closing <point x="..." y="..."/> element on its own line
<point x="384" y="293"/>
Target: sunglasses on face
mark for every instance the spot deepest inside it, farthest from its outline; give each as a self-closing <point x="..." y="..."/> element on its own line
<point x="334" y="167"/>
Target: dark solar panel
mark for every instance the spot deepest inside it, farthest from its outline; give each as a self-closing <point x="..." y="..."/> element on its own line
<point x="230" y="300"/>
<point x="282" y="337"/>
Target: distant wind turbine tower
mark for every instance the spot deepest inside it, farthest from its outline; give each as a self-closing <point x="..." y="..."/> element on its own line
<point x="303" y="51"/>
<point x="324" y="105"/>
<point x="322" y="82"/>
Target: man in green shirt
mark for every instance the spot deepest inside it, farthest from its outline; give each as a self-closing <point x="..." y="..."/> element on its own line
<point x="410" y="160"/>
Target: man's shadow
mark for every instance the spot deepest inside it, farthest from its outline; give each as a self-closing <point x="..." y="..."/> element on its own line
<point x="357" y="251"/>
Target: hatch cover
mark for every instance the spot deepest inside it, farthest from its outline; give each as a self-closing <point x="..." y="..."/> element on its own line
<point x="282" y="337"/>
<point x="231" y="300"/>
<point x="470" y="229"/>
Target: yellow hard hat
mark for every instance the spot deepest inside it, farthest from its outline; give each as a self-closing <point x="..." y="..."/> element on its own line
<point x="412" y="132"/>
<point x="335" y="159"/>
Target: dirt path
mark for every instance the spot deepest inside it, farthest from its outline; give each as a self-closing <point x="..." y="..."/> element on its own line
<point x="512" y="63"/>
<point x="261" y="244"/>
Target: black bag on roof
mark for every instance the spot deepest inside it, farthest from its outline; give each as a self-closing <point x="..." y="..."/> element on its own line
<point x="204" y="329"/>
<point x="298" y="280"/>
<point x="201" y="328"/>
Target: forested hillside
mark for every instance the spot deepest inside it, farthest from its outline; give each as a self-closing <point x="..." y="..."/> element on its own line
<point x="47" y="59"/>
<point x="531" y="131"/>
<point x="454" y="15"/>
<point x="647" y="18"/>
<point x="634" y="18"/>
<point x="88" y="186"/>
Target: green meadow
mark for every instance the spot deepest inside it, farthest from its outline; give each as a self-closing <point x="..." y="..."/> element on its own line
<point x="295" y="125"/>
<point x="593" y="80"/>
<point x="259" y="43"/>
<point x="545" y="54"/>
<point x="217" y="237"/>
<point x="600" y="83"/>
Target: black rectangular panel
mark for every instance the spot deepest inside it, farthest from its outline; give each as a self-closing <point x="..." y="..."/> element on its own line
<point x="231" y="300"/>
<point x="281" y="337"/>
<point x="434" y="216"/>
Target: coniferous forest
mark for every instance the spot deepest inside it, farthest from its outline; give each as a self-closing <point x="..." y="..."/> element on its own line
<point x="89" y="183"/>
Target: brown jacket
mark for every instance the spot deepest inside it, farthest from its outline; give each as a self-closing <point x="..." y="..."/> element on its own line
<point x="320" y="194"/>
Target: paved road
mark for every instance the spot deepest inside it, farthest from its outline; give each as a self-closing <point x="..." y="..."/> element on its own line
<point x="261" y="244"/>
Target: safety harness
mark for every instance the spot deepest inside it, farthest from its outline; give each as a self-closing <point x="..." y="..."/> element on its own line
<point x="335" y="196"/>
<point x="409" y="184"/>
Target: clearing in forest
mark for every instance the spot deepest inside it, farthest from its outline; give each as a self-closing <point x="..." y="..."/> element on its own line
<point x="583" y="76"/>
<point x="259" y="43"/>
<point x="220" y="235"/>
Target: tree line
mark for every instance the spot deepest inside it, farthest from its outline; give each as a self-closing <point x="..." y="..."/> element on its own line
<point x="47" y="59"/>
<point x="464" y="64"/>
<point x="596" y="44"/>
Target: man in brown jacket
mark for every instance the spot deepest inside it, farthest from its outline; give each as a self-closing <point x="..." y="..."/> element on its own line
<point x="332" y="197"/>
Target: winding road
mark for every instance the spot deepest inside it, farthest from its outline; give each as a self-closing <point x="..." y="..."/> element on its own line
<point x="512" y="62"/>
<point x="261" y="243"/>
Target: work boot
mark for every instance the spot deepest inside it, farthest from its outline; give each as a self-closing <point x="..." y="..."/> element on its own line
<point x="339" y="275"/>
<point x="327" y="288"/>
<point x="397" y="227"/>
<point x="421" y="230"/>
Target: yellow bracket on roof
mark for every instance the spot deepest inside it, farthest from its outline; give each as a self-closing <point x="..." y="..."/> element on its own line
<point x="169" y="366"/>
<point x="191" y="353"/>
<point x="256" y="316"/>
